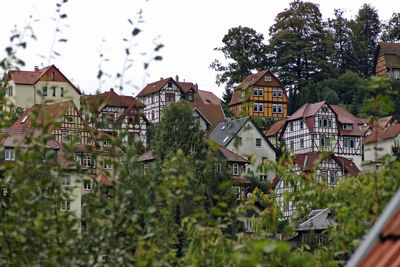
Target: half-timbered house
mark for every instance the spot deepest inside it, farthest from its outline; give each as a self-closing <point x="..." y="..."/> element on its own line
<point x="322" y="127"/>
<point x="47" y="85"/>
<point x="114" y="114"/>
<point x="260" y="95"/>
<point x="245" y="138"/>
<point x="328" y="168"/>
<point x="66" y="126"/>
<point x="387" y="60"/>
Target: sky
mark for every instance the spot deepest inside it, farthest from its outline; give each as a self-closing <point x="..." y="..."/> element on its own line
<point x="188" y="29"/>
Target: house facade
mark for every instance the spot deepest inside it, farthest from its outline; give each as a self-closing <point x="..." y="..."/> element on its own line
<point x="322" y="127"/>
<point x="260" y="95"/>
<point x="245" y="138"/>
<point x="208" y="116"/>
<point x="115" y="114"/>
<point x="90" y="154"/>
<point x="47" y="85"/>
<point x="328" y="169"/>
<point x="378" y="144"/>
<point x="387" y="60"/>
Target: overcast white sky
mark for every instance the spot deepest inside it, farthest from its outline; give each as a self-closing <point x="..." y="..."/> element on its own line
<point x="189" y="29"/>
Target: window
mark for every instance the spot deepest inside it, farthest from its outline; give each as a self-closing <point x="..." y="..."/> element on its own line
<point x="44" y="92"/>
<point x="79" y="159"/>
<point x="267" y="78"/>
<point x="255" y="107"/>
<point x="170" y="97"/>
<point x="279" y="93"/>
<point x="347" y="126"/>
<point x="301" y="143"/>
<point x="10" y="90"/>
<point x="64" y="137"/>
<point x="54" y="91"/>
<point x="24" y="119"/>
<point x="239" y="141"/>
<point x="235" y="169"/>
<point x="66" y="181"/>
<point x="169" y="84"/>
<point x="62" y="91"/>
<point x="325" y="142"/>
<point x="332" y="178"/>
<point x="274" y="109"/>
<point x="291" y="126"/>
<point x="78" y="138"/>
<point x="237" y="192"/>
<point x="249" y="225"/>
<point x="89" y="141"/>
<point x="9" y="154"/>
<point x="107" y="165"/>
<point x="145" y="168"/>
<point x="274" y="94"/>
<point x="263" y="178"/>
<point x="87" y="161"/>
<point x="53" y="75"/>
<point x="260" y="91"/>
<point x="218" y="167"/>
<point x="292" y="144"/>
<point x="277" y="108"/>
<point x="87" y="184"/>
<point x="152" y="114"/>
<point x="255" y="91"/>
<point x="348" y="142"/>
<point x="258" y="141"/>
<point x="65" y="205"/>
<point x="301" y="125"/>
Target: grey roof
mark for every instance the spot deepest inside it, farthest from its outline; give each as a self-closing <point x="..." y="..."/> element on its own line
<point x="224" y="132"/>
<point x="318" y="220"/>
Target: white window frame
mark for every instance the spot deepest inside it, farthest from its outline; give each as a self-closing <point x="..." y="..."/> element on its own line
<point x="301" y="143"/>
<point x="274" y="93"/>
<point x="267" y="78"/>
<point x="64" y="137"/>
<point x="237" y="192"/>
<point x="235" y="169"/>
<point x="87" y="161"/>
<point x="65" y="205"/>
<point x="255" y="107"/>
<point x="218" y="167"/>
<point x="87" y="184"/>
<point x="66" y="181"/>
<point x="9" y="154"/>
<point x="279" y="93"/>
<point x="255" y="91"/>
<point x="279" y="108"/>
<point x="260" y="91"/>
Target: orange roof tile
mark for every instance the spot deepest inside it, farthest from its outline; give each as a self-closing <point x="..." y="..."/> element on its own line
<point x="111" y="98"/>
<point x="382" y="134"/>
<point x="274" y="129"/>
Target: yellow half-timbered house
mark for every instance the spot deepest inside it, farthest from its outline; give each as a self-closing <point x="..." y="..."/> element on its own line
<point x="260" y="95"/>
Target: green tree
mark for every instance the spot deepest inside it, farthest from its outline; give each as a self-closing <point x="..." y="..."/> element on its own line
<point x="391" y="29"/>
<point x="301" y="48"/>
<point x="366" y="29"/>
<point x="246" y="51"/>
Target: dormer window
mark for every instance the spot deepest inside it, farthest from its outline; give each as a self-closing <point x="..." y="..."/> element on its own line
<point x="53" y="75"/>
<point x="24" y="119"/>
<point x="347" y="126"/>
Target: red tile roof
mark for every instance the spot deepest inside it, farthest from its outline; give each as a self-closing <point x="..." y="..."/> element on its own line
<point x="389" y="48"/>
<point x="382" y="134"/>
<point x="146" y="156"/>
<point x="105" y="180"/>
<point x="306" y="110"/>
<point x="111" y="98"/>
<point x="209" y="97"/>
<point x="231" y="156"/>
<point x="274" y="129"/>
<point x="381" y="246"/>
<point x="32" y="77"/>
<point x="156" y="86"/>
<point x="213" y="113"/>
<point x="349" y="166"/>
<point x="186" y="86"/>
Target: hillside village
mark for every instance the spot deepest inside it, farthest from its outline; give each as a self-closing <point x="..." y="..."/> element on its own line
<point x="293" y="166"/>
<point x="309" y="133"/>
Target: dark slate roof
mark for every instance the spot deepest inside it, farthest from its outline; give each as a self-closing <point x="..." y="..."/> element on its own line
<point x="224" y="132"/>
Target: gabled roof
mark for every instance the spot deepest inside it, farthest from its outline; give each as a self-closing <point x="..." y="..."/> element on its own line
<point x="349" y="166"/>
<point x="186" y="86"/>
<point x="307" y="110"/>
<point x="209" y="97"/>
<point x="225" y="131"/>
<point x="381" y="245"/>
<point x="231" y="156"/>
<point x="111" y="98"/>
<point x="383" y="134"/>
<point x="33" y="115"/>
<point x="345" y="117"/>
<point x="275" y="128"/>
<point x="212" y="113"/>
<point x="388" y="48"/>
<point x="317" y="220"/>
<point x="146" y="156"/>
<point x="156" y="86"/>
<point x="250" y="81"/>
<point x="32" y="77"/>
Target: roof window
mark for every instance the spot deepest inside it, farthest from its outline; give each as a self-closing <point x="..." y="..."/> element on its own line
<point x="24" y="119"/>
<point x="225" y="139"/>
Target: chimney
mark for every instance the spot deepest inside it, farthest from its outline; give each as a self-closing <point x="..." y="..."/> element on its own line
<point x="177" y="78"/>
<point x="36" y="68"/>
<point x="111" y="89"/>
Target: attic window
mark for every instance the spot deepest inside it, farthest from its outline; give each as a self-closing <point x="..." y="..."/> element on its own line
<point x="53" y="75"/>
<point x="24" y="119"/>
<point x="225" y="139"/>
<point x="268" y="78"/>
<point x="169" y="84"/>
